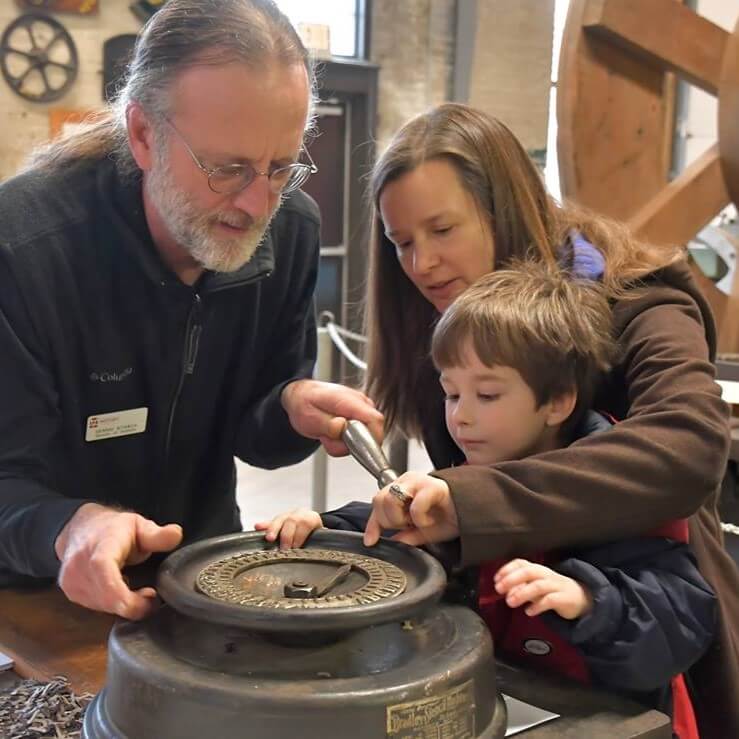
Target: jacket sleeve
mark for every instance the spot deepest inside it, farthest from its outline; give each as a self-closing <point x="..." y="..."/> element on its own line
<point x="266" y="439"/>
<point x="653" y="613"/>
<point x="350" y="517"/>
<point x="662" y="462"/>
<point x="31" y="512"/>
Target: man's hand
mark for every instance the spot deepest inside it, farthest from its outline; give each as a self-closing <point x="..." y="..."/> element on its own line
<point x="319" y="410"/>
<point x="293" y="527"/>
<point x="94" y="546"/>
<point x="430" y="518"/>
<point x="521" y="581"/>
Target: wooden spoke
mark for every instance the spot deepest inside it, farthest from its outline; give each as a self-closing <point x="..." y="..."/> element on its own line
<point x="728" y="115"/>
<point x="615" y="110"/>
<point x="678" y="211"/>
<point x="665" y="33"/>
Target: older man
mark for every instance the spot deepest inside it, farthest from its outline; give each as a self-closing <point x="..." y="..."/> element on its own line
<point x="156" y="281"/>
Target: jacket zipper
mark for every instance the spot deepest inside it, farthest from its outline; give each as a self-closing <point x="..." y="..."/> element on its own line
<point x="193" y="330"/>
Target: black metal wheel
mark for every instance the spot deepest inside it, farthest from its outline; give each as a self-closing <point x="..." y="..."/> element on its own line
<point x="241" y="581"/>
<point x="38" y="58"/>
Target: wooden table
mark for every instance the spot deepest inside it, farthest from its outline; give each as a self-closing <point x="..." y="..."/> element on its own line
<point x="48" y="636"/>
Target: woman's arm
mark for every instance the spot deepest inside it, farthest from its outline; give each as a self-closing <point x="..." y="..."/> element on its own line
<point x="661" y="462"/>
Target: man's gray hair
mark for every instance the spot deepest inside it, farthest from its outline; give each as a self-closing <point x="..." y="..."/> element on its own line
<point x="183" y="34"/>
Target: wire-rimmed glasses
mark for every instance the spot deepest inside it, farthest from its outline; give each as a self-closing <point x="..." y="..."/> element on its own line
<point x="233" y="178"/>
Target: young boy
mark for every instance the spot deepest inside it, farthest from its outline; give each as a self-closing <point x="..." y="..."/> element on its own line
<point x="520" y="354"/>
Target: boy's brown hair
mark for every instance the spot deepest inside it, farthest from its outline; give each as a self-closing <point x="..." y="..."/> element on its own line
<point x="551" y="327"/>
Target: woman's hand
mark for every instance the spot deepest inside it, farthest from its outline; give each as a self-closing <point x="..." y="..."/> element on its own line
<point x="521" y="581"/>
<point x="319" y="410"/>
<point x="293" y="527"/>
<point x="430" y="517"/>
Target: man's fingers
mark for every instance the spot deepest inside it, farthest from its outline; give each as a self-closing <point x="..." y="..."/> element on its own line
<point x="110" y="592"/>
<point x="333" y="447"/>
<point x="335" y="427"/>
<point x="139" y="606"/>
<point x="153" y="538"/>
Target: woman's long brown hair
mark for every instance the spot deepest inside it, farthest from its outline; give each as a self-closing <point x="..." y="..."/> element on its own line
<point x="526" y="222"/>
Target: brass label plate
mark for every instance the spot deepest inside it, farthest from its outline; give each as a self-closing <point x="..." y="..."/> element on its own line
<point x="450" y="715"/>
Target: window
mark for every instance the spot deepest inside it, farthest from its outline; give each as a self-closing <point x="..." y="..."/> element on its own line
<point x="345" y="19"/>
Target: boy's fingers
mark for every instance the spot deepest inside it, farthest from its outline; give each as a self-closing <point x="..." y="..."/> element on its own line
<point x="302" y="532"/>
<point x="547" y="602"/>
<point x="509" y="567"/>
<point x="287" y="534"/>
<point x="513" y="579"/>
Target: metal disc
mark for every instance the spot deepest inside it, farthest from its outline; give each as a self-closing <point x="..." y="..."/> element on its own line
<point x="239" y="580"/>
<point x="260" y="578"/>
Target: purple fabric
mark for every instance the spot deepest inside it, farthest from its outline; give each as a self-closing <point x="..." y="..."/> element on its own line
<point x="587" y="261"/>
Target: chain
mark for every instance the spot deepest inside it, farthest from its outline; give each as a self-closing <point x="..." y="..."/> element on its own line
<point x="35" y="710"/>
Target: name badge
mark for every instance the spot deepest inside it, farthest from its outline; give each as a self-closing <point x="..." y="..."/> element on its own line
<point x="118" y="423"/>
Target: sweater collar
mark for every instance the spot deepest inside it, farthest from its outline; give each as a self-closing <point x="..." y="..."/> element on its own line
<point x="128" y="207"/>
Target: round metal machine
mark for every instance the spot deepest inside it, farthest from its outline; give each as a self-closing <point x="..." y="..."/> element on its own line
<point x="331" y="640"/>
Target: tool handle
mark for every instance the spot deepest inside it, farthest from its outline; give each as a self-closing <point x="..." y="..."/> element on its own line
<point x="368" y="452"/>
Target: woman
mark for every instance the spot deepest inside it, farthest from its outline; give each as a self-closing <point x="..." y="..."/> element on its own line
<point x="456" y="196"/>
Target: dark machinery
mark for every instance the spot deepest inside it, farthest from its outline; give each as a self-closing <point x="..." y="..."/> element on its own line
<point x="331" y="640"/>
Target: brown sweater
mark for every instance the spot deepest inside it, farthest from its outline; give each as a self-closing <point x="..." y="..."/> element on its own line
<point x="665" y="460"/>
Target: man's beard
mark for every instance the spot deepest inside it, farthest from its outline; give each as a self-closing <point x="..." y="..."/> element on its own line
<point x="194" y="229"/>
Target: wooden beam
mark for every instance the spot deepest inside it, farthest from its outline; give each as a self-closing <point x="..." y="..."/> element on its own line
<point x="728" y="115"/>
<point x="666" y="33"/>
<point x="689" y="202"/>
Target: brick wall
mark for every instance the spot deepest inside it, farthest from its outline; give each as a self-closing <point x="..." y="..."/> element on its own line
<point x="25" y="124"/>
<point x="414" y="43"/>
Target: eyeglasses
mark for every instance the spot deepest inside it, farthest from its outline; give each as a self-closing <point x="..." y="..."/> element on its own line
<point x="233" y="178"/>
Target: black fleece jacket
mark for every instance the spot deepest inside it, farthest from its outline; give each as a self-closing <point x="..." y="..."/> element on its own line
<point x="92" y="322"/>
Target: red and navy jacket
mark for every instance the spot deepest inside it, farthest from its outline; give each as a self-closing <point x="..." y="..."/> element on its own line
<point x="653" y="616"/>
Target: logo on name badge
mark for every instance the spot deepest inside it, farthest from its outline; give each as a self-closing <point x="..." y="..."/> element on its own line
<point x="119" y="423"/>
<point x="539" y="647"/>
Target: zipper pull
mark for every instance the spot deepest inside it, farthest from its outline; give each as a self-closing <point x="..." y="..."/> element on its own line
<point x="193" y="338"/>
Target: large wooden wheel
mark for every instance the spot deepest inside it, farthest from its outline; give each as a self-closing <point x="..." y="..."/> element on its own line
<point x="615" y="98"/>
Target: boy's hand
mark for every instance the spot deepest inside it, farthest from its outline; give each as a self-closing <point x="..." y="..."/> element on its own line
<point x="431" y="516"/>
<point x="544" y="589"/>
<point x="293" y="527"/>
